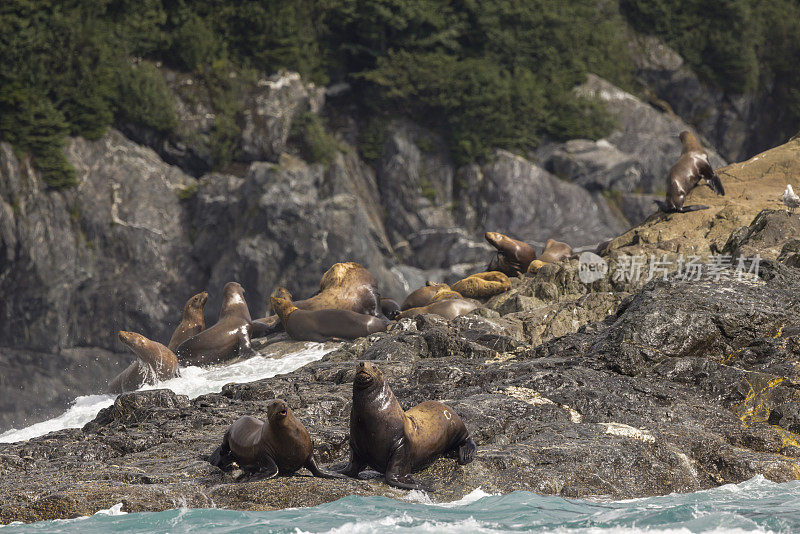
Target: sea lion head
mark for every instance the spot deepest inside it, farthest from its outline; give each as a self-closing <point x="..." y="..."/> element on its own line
<point x="132" y="339"/>
<point x="197" y="302"/>
<point x="233" y="302"/>
<point x="367" y="376"/>
<point x="283" y="293"/>
<point x="690" y="142"/>
<point x="278" y="411"/>
<point x="282" y="307"/>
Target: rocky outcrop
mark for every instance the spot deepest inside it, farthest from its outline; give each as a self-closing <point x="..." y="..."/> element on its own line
<point x="686" y="386"/>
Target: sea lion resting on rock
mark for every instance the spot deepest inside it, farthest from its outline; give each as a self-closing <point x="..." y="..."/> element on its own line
<point x="228" y="338"/>
<point x="691" y="167"/>
<point x="322" y="325"/>
<point x="513" y="257"/>
<point x="345" y="286"/>
<point x="154" y="363"/>
<point x="482" y="285"/>
<point x="447" y="308"/>
<point x="423" y="295"/>
<point x="555" y="251"/>
<point x="279" y="445"/>
<point x="193" y="321"/>
<point x="395" y="442"/>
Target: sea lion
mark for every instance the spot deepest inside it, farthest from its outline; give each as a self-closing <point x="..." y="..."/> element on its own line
<point x="555" y="251"/>
<point x="281" y="445"/>
<point x="229" y="337"/>
<point x="483" y="285"/>
<point x="395" y="442"/>
<point x="423" y="295"/>
<point x="449" y="309"/>
<point x="536" y="265"/>
<point x="691" y="167"/>
<point x="322" y="325"/>
<point x="154" y="363"/>
<point x="390" y="308"/>
<point x="513" y="257"/>
<point x="193" y="321"/>
<point x="345" y="286"/>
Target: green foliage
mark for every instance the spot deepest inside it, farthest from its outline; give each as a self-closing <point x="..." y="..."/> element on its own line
<point x="316" y="144"/>
<point x="185" y="193"/>
<point x="144" y="98"/>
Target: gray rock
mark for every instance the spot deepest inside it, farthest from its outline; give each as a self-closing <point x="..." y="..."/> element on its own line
<point x="594" y="165"/>
<point x="648" y="135"/>
<point x="512" y="195"/>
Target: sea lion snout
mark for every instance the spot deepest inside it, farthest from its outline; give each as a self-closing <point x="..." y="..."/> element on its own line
<point x="131" y="339"/>
<point x="278" y="409"/>
<point x="366" y="373"/>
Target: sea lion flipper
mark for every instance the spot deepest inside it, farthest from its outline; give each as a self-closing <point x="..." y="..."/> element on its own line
<point x="312" y="466"/>
<point x="354" y="466"/>
<point x="398" y="466"/>
<point x="222" y="457"/>
<point x="715" y="184"/>
<point x="466" y="451"/>
<point x="267" y="468"/>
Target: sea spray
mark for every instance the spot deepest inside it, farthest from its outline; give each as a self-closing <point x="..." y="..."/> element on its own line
<point x="193" y="382"/>
<point x="754" y="506"/>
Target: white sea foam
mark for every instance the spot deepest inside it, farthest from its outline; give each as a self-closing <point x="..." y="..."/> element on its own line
<point x="193" y="382"/>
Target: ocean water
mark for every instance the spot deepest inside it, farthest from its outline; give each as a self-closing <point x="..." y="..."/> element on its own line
<point x="194" y="381"/>
<point x="756" y="505"/>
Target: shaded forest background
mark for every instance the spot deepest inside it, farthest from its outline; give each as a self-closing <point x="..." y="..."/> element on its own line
<point x="484" y="74"/>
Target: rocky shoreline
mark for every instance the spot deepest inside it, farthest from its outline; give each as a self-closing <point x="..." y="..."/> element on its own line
<point x="614" y="389"/>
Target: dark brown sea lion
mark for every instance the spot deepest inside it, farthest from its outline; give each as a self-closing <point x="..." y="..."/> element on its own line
<point x="555" y="251"/>
<point x="154" y="363"/>
<point x="448" y="308"/>
<point x="691" y="167"/>
<point x="193" y="321"/>
<point x="389" y="308"/>
<point x="281" y="445"/>
<point x="228" y="338"/>
<point x="345" y="286"/>
<point x="483" y="285"/>
<point x="395" y="442"/>
<point x="322" y="325"/>
<point x="423" y="295"/>
<point x="513" y="257"/>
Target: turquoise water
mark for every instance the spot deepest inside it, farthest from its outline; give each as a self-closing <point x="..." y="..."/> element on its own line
<point x="753" y="506"/>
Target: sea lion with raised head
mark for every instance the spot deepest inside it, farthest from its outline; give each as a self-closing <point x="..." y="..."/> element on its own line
<point x="482" y="285"/>
<point x="555" y="251"/>
<point x="395" y="442"/>
<point x="447" y="308"/>
<point x="193" y="321"/>
<point x="513" y="257"/>
<point x="423" y="295"/>
<point x="691" y="167"/>
<point x="323" y="325"/>
<point x="154" y="363"/>
<point x="345" y="286"/>
<point x="279" y="445"/>
<point x="228" y="338"/>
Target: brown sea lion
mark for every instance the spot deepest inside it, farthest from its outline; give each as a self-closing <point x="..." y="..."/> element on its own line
<point x="228" y="338"/>
<point x="390" y="308"/>
<point x="536" y="265"/>
<point x="395" y="442"/>
<point x="483" y="285"/>
<point x="322" y="325"/>
<point x="423" y="295"/>
<point x="154" y="363"/>
<point x="345" y="286"/>
<point x="193" y="321"/>
<point x="555" y="251"/>
<point x="281" y="445"/>
<point x="449" y="309"/>
<point x="445" y="293"/>
<point x="513" y="257"/>
<point x="691" y="167"/>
